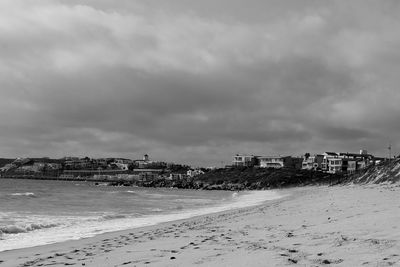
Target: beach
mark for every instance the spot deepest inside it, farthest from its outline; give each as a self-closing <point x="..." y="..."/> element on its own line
<point x="312" y="226"/>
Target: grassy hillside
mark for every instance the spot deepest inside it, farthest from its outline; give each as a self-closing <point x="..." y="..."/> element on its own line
<point x="384" y="172"/>
<point x="261" y="178"/>
<point x="4" y="161"/>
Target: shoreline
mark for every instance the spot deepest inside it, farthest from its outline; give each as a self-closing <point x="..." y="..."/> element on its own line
<point x="314" y="226"/>
<point x="247" y="200"/>
<point x="18" y="256"/>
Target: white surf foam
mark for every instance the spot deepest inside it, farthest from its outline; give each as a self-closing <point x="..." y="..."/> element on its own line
<point x="78" y="227"/>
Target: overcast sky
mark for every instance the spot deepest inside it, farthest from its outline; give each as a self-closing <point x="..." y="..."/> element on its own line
<point x="198" y="81"/>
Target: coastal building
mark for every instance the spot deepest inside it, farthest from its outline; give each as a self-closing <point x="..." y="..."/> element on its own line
<point x="193" y="173"/>
<point x="335" y="165"/>
<point x="123" y="161"/>
<point x="148" y="176"/>
<point x="240" y="160"/>
<point x="275" y="161"/>
<point x="349" y="166"/>
<point x="138" y="171"/>
<point x="326" y="157"/>
<point x="312" y="162"/>
<point x="143" y="163"/>
<point x="363" y="159"/>
<point x="66" y="176"/>
<point x="91" y="173"/>
<point x="177" y="176"/>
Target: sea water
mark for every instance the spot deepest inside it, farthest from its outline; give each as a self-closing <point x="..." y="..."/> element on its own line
<point x="36" y="212"/>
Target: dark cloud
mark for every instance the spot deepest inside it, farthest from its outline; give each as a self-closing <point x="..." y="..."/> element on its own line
<point x="197" y="81"/>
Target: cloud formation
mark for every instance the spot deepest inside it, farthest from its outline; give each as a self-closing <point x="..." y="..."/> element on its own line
<point x="197" y="81"/>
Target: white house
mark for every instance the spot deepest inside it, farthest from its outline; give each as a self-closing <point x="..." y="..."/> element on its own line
<point x="193" y="173"/>
<point x="244" y="160"/>
<point x="313" y="162"/>
<point x="326" y="158"/>
<point x="335" y="165"/>
<point x="274" y="161"/>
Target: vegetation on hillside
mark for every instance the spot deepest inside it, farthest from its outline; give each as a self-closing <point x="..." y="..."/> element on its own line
<point x="263" y="178"/>
<point x="387" y="171"/>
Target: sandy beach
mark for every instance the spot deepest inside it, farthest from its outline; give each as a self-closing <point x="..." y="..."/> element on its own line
<point x="311" y="226"/>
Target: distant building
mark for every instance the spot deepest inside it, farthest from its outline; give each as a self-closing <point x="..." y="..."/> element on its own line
<point x="325" y="161"/>
<point x="244" y="160"/>
<point x="193" y="173"/>
<point x="143" y="163"/>
<point x="346" y="162"/>
<point x="147" y="176"/>
<point x="313" y="162"/>
<point x="276" y="162"/>
<point x="66" y="176"/>
<point x="138" y="171"/>
<point x="349" y="165"/>
<point x="177" y="176"/>
<point x="335" y="165"/>
<point x="91" y="173"/>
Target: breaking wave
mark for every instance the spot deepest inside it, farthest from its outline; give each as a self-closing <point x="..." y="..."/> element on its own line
<point x="112" y="217"/>
<point x="17" y="229"/>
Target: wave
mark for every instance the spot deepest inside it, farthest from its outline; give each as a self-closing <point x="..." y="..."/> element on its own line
<point x="156" y="209"/>
<point x="112" y="217"/>
<point x="82" y="227"/>
<point x="17" y="229"/>
<point x="27" y="194"/>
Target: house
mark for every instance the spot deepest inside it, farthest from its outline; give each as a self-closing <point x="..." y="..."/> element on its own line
<point x="139" y="171"/>
<point x="244" y="160"/>
<point x="193" y="173"/>
<point x="177" y="176"/>
<point x="143" y="163"/>
<point x="335" y="165"/>
<point x="147" y="176"/>
<point x="275" y="161"/>
<point x="313" y="162"/>
<point x="325" y="161"/>
<point x="66" y="176"/>
<point x="362" y="160"/>
<point x="346" y="162"/>
<point x="122" y="161"/>
<point x="349" y="165"/>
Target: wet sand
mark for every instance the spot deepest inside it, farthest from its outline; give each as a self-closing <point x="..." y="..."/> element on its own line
<point x="314" y="226"/>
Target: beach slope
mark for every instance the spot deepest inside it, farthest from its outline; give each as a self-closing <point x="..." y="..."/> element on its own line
<point x="313" y="226"/>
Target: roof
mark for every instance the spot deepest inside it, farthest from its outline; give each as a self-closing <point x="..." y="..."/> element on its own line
<point x="273" y="157"/>
<point x="331" y="153"/>
<point x="356" y="155"/>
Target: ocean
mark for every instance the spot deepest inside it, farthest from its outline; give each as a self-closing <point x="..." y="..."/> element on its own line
<point x="36" y="212"/>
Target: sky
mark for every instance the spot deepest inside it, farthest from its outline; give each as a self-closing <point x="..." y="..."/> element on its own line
<point x="196" y="82"/>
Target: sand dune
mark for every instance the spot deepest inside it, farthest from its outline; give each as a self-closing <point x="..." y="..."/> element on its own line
<point x="314" y="226"/>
